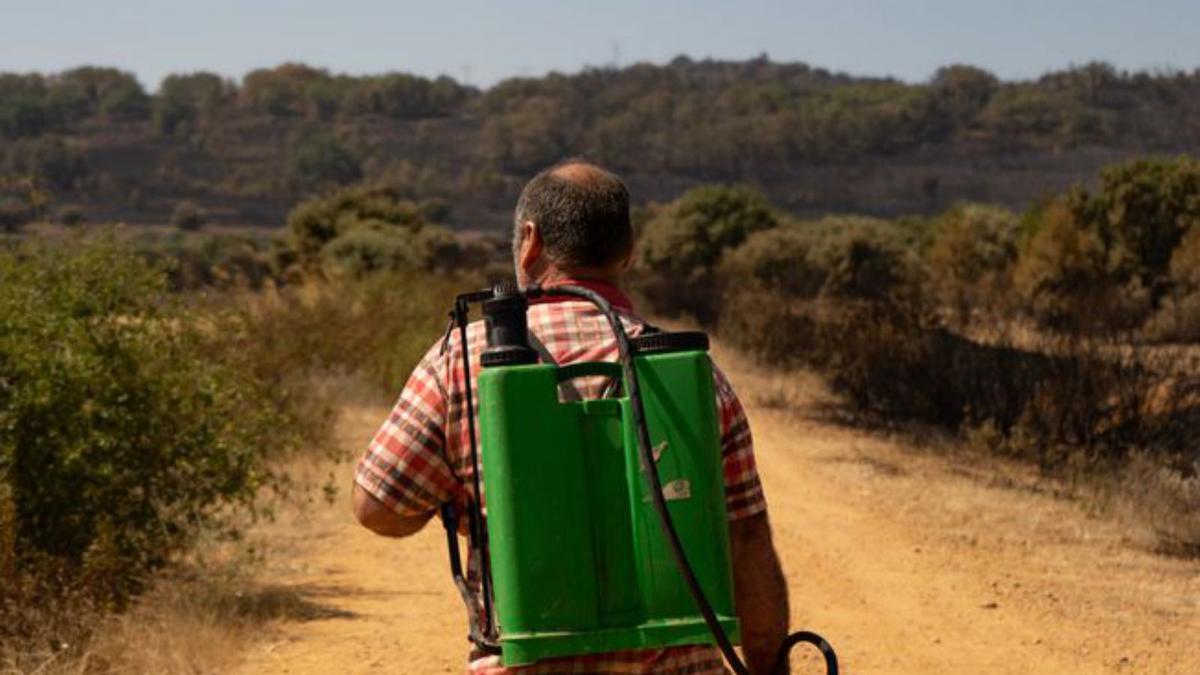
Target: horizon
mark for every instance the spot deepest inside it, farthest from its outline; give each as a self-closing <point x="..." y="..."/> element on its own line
<point x="480" y="45"/>
<point x="238" y="78"/>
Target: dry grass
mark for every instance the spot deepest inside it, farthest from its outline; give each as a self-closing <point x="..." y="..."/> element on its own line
<point x="196" y="616"/>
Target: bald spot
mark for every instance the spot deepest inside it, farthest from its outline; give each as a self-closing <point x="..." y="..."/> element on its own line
<point x="581" y="173"/>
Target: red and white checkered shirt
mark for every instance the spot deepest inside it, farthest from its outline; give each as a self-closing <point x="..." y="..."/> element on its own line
<point x="420" y="457"/>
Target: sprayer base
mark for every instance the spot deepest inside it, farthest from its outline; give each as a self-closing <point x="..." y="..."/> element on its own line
<point x="524" y="648"/>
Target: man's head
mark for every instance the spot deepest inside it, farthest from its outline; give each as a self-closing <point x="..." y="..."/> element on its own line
<point x="572" y="220"/>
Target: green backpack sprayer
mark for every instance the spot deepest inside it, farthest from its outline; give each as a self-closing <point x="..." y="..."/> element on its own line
<point x="605" y="525"/>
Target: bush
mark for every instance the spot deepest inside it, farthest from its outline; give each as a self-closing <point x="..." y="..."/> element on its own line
<point x="208" y="260"/>
<point x="13" y="213"/>
<point x="70" y="215"/>
<point x="1144" y="208"/>
<point x="377" y="327"/>
<point x="122" y="433"/>
<point x="187" y="216"/>
<point x="970" y="260"/>
<point x="1069" y="280"/>
<point x="321" y="160"/>
<point x="363" y="251"/>
<point x="683" y="243"/>
<point x="1178" y="319"/>
<point x="318" y="221"/>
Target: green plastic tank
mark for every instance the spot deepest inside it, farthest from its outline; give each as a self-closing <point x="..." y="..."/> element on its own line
<point x="579" y="561"/>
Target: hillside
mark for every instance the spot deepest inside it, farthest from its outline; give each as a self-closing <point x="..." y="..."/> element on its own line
<point x="813" y="140"/>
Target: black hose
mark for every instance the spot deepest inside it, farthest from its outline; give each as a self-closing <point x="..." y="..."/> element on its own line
<point x="646" y="454"/>
<point x="475" y="514"/>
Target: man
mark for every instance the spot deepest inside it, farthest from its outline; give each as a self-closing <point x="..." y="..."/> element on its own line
<point x="572" y="225"/>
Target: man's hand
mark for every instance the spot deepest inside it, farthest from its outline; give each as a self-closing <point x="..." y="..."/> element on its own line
<point x="760" y="592"/>
<point x="378" y="518"/>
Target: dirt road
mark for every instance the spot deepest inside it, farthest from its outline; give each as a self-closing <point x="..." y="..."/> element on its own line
<point x="909" y="562"/>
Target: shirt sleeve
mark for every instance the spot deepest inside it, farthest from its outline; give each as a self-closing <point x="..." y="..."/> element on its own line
<point x="744" y="495"/>
<point x="405" y="464"/>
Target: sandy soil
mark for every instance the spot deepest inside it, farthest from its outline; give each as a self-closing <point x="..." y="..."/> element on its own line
<point x="908" y="561"/>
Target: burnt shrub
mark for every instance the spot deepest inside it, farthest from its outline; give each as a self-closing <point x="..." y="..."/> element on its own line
<point x="849" y="298"/>
<point x="13" y="213"/>
<point x="1071" y="280"/>
<point x="841" y="295"/>
<point x="70" y="215"/>
<point x="1178" y="318"/>
<point x="970" y="261"/>
<point x="187" y="216"/>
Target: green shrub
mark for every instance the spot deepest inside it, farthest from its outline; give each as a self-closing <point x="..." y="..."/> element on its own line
<point x="122" y="433"/>
<point x="318" y="221"/>
<point x="682" y="244"/>
<point x="867" y="259"/>
<point x="364" y="251"/>
<point x="781" y="260"/>
<point x="320" y="160"/>
<point x="1143" y="208"/>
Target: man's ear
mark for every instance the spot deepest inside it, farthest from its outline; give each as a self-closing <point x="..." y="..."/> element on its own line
<point x="627" y="262"/>
<point x="530" y="253"/>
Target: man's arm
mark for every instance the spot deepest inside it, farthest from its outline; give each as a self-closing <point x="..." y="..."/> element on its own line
<point x="405" y="473"/>
<point x="378" y="518"/>
<point x="760" y="592"/>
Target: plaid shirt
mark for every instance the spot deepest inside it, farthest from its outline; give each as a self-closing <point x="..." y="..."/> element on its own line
<point x="420" y="457"/>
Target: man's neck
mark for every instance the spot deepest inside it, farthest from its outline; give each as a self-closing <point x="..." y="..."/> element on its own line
<point x="558" y="276"/>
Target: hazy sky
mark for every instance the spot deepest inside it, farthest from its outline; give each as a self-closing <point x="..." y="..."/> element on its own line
<point x="488" y="41"/>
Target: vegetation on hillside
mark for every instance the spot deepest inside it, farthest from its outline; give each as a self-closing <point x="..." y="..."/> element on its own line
<point x="245" y="151"/>
<point x="1037" y="335"/>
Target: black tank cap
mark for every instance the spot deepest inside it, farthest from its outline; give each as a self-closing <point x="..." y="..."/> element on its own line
<point x="663" y="343"/>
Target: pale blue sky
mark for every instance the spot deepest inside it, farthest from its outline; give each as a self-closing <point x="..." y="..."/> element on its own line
<point x="493" y="40"/>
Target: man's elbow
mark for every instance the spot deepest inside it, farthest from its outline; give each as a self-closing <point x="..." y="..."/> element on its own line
<point x="378" y="518"/>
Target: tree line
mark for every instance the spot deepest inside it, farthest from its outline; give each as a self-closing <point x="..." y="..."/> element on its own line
<point x="96" y="135"/>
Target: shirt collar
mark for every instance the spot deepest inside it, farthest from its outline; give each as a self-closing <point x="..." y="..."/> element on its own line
<point x="609" y="292"/>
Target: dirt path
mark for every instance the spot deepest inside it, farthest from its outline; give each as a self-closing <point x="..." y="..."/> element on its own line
<point x="907" y="562"/>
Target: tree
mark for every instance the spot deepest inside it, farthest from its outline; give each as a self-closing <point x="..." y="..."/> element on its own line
<point x="320" y="160"/>
<point x="184" y="99"/>
<point x="125" y="101"/>
<point x="281" y="91"/>
<point x="23" y="110"/>
<point x="106" y="91"/>
<point x="962" y="92"/>
<point x="1143" y="207"/>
